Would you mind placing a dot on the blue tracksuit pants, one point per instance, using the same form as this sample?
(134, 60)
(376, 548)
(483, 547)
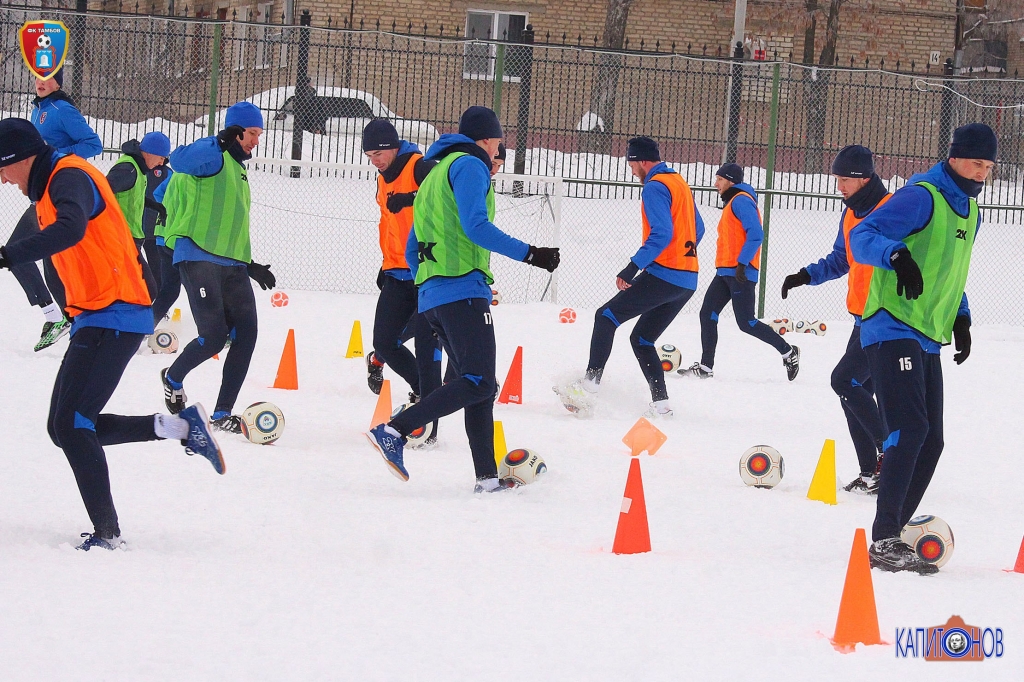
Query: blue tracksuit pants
(465, 330)
(908, 384)
(720, 292)
(851, 380)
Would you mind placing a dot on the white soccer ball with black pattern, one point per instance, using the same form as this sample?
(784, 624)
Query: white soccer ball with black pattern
(670, 357)
(420, 435)
(44, 41)
(816, 327)
(262, 423)
(762, 467)
(163, 341)
(931, 538)
(522, 466)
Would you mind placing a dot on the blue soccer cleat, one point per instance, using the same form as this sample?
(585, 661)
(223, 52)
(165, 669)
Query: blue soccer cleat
(200, 441)
(390, 445)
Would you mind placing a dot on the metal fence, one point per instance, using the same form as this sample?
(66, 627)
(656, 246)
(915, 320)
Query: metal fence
(568, 111)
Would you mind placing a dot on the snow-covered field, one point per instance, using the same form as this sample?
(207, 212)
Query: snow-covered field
(309, 561)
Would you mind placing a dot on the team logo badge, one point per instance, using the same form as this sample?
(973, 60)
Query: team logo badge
(44, 45)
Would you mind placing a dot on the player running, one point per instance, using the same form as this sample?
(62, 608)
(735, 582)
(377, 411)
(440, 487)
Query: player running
(62, 126)
(920, 243)
(739, 252)
(862, 192)
(449, 254)
(208, 228)
(667, 267)
(91, 246)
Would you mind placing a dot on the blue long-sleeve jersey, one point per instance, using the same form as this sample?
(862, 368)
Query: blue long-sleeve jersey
(657, 202)
(745, 210)
(202, 158)
(470, 180)
(62, 126)
(882, 233)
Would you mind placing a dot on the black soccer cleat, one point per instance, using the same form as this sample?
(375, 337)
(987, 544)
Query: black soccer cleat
(696, 370)
(174, 398)
(894, 555)
(863, 485)
(792, 363)
(230, 423)
(374, 374)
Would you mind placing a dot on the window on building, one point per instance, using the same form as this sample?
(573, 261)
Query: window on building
(264, 48)
(239, 38)
(486, 25)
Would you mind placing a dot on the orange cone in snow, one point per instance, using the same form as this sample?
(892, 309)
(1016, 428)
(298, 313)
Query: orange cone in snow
(632, 535)
(287, 371)
(858, 619)
(382, 413)
(512, 389)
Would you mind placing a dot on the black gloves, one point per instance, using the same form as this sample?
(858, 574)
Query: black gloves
(3, 258)
(543, 257)
(229, 136)
(396, 202)
(380, 279)
(262, 275)
(628, 272)
(741, 272)
(909, 282)
(962, 338)
(796, 280)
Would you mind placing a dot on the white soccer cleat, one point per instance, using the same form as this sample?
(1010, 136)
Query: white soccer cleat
(576, 399)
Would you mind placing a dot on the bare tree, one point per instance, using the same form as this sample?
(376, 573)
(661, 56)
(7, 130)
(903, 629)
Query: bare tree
(981, 24)
(606, 82)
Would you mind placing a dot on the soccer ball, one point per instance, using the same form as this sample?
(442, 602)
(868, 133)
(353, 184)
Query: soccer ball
(262, 423)
(495, 297)
(781, 325)
(420, 435)
(931, 538)
(567, 316)
(279, 299)
(816, 327)
(522, 466)
(163, 341)
(670, 357)
(762, 467)
(43, 41)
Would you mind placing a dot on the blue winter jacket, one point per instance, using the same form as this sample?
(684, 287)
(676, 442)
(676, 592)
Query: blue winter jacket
(470, 180)
(882, 232)
(745, 210)
(63, 126)
(657, 202)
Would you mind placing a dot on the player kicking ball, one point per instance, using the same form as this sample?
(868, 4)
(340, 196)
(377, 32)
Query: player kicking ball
(85, 233)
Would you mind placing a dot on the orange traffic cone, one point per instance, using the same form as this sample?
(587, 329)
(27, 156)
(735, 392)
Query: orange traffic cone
(632, 535)
(858, 619)
(287, 371)
(644, 436)
(1019, 566)
(382, 413)
(512, 389)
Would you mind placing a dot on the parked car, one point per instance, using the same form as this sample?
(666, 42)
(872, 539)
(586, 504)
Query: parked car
(341, 112)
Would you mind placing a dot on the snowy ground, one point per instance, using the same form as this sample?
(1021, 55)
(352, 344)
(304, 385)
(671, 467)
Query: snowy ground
(309, 561)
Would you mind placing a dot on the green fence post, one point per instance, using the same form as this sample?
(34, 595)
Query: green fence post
(769, 182)
(211, 125)
(499, 77)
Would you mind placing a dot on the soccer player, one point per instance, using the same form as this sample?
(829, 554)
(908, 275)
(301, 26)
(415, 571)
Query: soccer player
(128, 180)
(401, 168)
(208, 228)
(739, 252)
(449, 253)
(655, 285)
(62, 126)
(920, 243)
(862, 192)
(92, 250)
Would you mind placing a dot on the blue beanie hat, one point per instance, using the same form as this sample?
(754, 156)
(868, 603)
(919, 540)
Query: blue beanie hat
(480, 123)
(156, 143)
(642, 149)
(244, 114)
(380, 134)
(853, 161)
(974, 141)
(731, 172)
(19, 140)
